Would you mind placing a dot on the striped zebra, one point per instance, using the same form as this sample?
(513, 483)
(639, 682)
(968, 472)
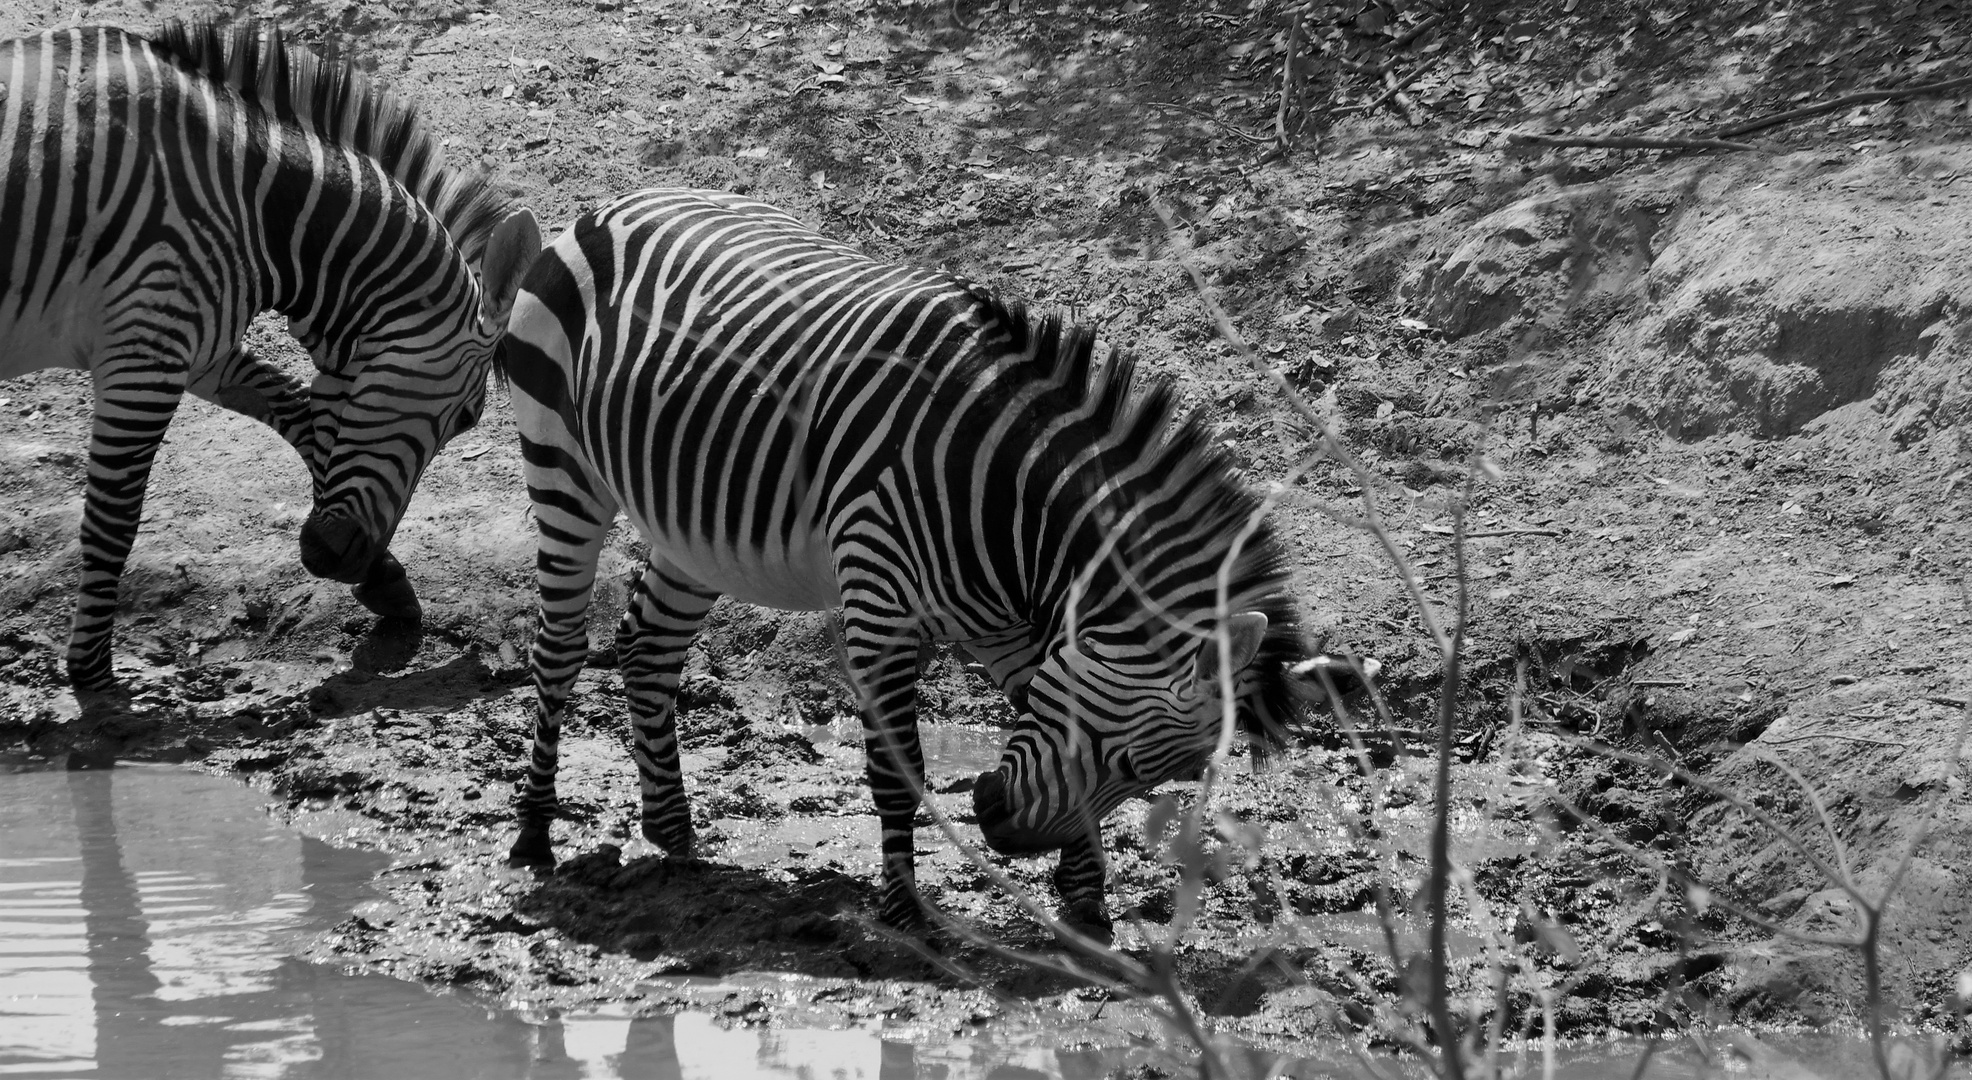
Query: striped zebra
(793, 424)
(161, 190)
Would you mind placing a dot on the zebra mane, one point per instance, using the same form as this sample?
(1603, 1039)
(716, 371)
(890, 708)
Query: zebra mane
(331, 99)
(1177, 447)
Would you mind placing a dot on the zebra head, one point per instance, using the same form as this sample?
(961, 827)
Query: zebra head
(413, 384)
(1109, 715)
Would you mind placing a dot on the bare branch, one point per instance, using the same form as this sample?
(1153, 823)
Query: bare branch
(1627, 142)
(1864, 97)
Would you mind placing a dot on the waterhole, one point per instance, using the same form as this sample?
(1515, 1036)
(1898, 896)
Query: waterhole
(150, 916)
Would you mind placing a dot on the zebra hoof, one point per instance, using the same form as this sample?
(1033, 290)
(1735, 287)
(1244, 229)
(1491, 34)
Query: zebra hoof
(911, 919)
(678, 844)
(387, 591)
(1087, 917)
(91, 675)
(533, 849)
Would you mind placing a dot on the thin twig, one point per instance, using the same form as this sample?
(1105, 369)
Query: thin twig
(1423, 27)
(1863, 97)
(1384, 98)
(1453, 1065)
(1765, 741)
(1231, 127)
(1289, 81)
(1331, 442)
(1446, 530)
(1629, 142)
(1814, 803)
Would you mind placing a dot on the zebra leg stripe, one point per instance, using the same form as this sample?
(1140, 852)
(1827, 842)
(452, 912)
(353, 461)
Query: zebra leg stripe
(573, 519)
(135, 399)
(880, 654)
(257, 388)
(1079, 878)
(663, 616)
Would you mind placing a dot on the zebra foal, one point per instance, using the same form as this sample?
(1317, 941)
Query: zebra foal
(158, 191)
(791, 423)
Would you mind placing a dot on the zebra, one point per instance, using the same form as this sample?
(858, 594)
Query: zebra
(163, 189)
(791, 423)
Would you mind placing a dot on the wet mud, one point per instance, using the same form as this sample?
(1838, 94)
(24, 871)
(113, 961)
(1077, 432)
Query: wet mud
(1715, 557)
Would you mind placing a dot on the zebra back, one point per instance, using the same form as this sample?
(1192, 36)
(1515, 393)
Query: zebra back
(333, 100)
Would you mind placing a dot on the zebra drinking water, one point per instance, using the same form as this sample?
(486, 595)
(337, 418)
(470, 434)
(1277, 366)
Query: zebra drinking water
(159, 192)
(791, 423)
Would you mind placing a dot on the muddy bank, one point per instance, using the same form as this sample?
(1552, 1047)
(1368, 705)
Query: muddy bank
(1730, 528)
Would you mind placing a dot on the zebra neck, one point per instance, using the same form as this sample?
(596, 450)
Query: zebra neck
(348, 254)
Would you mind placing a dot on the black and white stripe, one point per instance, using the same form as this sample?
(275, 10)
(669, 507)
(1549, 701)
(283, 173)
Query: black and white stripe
(158, 192)
(791, 423)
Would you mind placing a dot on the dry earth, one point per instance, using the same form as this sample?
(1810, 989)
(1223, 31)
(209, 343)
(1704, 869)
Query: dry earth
(1728, 398)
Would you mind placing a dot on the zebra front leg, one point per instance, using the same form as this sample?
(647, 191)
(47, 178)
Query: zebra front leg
(663, 616)
(255, 387)
(135, 399)
(1079, 878)
(879, 654)
(572, 515)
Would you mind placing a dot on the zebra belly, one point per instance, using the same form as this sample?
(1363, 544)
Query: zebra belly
(799, 577)
(62, 334)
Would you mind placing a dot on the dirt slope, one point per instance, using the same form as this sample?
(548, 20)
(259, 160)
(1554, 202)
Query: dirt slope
(1726, 395)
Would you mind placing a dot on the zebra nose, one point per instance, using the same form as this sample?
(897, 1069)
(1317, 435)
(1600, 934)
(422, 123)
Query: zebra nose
(989, 799)
(335, 547)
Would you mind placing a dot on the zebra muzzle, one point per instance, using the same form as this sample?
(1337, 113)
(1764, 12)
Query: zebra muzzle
(336, 548)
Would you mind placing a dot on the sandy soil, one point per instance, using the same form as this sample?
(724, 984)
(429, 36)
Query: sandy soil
(1726, 396)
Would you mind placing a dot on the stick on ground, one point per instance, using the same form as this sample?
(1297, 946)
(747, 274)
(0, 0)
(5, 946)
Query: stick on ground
(1630, 142)
(1863, 97)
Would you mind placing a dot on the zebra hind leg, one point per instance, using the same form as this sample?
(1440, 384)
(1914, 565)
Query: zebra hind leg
(663, 616)
(1079, 878)
(572, 526)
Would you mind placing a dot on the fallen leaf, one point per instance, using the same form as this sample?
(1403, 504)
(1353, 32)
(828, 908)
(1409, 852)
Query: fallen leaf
(476, 451)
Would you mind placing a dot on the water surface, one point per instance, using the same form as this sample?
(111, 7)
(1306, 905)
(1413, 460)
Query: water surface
(149, 919)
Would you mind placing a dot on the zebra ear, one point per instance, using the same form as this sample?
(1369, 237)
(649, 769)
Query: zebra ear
(509, 252)
(1246, 630)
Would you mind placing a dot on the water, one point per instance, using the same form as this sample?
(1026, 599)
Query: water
(149, 918)
(148, 921)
